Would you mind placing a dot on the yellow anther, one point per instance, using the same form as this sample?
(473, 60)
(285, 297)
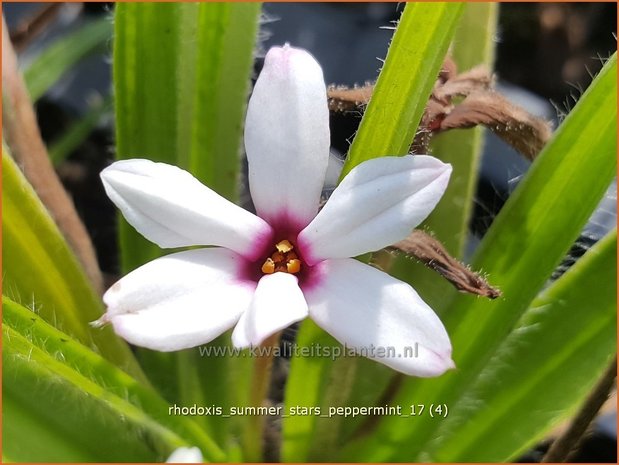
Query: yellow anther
(293, 266)
(284, 246)
(268, 267)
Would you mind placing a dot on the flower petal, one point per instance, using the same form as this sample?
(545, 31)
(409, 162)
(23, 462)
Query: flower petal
(376, 205)
(277, 303)
(186, 455)
(171, 208)
(287, 137)
(181, 300)
(380, 317)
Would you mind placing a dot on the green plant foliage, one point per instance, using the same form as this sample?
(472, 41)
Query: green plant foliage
(531, 235)
(39, 270)
(387, 128)
(64, 402)
(545, 367)
(181, 80)
(473, 45)
(57, 59)
(182, 71)
(405, 82)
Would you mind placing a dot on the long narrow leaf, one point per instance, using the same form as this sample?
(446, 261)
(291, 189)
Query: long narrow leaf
(387, 128)
(415, 56)
(40, 270)
(106, 414)
(57, 59)
(181, 76)
(544, 369)
(527, 240)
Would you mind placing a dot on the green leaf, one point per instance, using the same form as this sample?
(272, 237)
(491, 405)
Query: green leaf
(387, 128)
(405, 82)
(181, 79)
(527, 240)
(330, 380)
(544, 369)
(78, 132)
(53, 62)
(305, 387)
(39, 270)
(473, 45)
(63, 402)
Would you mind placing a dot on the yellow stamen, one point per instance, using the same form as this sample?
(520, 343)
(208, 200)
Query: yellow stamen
(284, 246)
(293, 266)
(269, 266)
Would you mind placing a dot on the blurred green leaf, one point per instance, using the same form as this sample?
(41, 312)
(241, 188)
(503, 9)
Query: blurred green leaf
(405, 82)
(39, 270)
(529, 237)
(544, 369)
(59, 57)
(78, 132)
(63, 402)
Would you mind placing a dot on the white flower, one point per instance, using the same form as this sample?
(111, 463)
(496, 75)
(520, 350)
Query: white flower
(186, 455)
(290, 261)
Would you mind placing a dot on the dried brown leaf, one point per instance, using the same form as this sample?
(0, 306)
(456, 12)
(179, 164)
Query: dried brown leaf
(526, 133)
(481, 106)
(429, 251)
(342, 98)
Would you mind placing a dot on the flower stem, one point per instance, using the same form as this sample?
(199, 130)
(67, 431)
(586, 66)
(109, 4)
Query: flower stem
(253, 435)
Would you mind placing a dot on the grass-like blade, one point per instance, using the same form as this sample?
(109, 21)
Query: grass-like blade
(473, 45)
(181, 78)
(387, 128)
(106, 414)
(544, 369)
(413, 61)
(59, 57)
(40, 270)
(527, 240)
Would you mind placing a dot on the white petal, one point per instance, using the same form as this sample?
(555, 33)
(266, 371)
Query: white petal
(377, 204)
(186, 455)
(380, 317)
(171, 208)
(277, 303)
(181, 300)
(287, 137)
